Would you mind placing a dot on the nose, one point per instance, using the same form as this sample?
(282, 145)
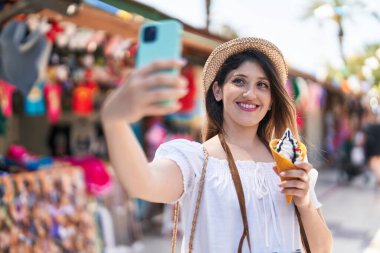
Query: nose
(250, 92)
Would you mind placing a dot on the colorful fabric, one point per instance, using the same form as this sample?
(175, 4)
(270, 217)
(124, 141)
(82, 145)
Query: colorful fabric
(35, 102)
(83, 99)
(53, 94)
(6, 92)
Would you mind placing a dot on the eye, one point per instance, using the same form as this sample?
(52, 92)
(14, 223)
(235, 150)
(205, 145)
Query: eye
(263, 85)
(238, 81)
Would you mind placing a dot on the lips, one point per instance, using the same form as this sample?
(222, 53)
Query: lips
(248, 107)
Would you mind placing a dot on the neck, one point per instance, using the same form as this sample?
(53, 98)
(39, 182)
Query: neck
(244, 137)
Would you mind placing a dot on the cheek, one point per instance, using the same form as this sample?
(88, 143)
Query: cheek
(266, 99)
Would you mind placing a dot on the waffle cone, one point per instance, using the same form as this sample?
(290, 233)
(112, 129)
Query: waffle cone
(283, 163)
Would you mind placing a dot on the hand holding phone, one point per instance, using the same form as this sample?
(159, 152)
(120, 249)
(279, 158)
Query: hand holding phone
(160, 41)
(155, 86)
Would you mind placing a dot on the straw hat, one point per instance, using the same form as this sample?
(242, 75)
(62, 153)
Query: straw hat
(227, 49)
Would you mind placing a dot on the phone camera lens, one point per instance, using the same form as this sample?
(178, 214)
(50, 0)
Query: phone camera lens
(150, 33)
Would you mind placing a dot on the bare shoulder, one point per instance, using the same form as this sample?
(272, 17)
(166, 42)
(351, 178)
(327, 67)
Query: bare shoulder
(214, 148)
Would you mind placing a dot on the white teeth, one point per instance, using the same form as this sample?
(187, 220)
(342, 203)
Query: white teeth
(248, 106)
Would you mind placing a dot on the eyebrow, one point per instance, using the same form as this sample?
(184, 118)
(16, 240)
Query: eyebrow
(242, 75)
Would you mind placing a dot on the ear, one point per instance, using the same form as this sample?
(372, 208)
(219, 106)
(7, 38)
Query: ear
(218, 92)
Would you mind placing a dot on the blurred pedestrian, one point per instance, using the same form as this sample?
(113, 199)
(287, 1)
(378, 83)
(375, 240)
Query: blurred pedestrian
(242, 208)
(372, 148)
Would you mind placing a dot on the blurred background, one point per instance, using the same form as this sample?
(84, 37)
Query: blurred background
(60, 58)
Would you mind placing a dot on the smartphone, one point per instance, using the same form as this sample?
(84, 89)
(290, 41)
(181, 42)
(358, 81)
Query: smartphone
(160, 41)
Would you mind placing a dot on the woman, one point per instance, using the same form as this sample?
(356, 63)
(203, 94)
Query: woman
(246, 106)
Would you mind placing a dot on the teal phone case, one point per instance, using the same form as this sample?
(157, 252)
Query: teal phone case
(166, 45)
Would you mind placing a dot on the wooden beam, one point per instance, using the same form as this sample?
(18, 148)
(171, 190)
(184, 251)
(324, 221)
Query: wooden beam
(99, 20)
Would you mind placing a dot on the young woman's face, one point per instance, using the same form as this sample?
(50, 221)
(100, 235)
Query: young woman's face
(246, 95)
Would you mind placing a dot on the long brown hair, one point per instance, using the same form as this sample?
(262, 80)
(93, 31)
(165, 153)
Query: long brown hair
(281, 116)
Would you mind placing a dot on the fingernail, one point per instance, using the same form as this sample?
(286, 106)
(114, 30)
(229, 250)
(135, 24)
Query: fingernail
(282, 174)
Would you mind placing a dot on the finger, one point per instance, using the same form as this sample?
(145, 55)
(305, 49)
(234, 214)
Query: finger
(160, 65)
(304, 166)
(165, 94)
(298, 174)
(158, 110)
(164, 79)
(294, 184)
(294, 192)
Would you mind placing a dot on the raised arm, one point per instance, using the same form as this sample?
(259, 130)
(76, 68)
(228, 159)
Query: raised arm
(160, 181)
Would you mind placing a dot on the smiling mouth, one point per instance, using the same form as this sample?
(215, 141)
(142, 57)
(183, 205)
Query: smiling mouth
(247, 107)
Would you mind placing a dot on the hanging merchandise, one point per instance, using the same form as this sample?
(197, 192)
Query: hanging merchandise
(314, 97)
(6, 92)
(296, 90)
(82, 137)
(188, 101)
(290, 88)
(100, 144)
(54, 30)
(84, 94)
(299, 119)
(80, 39)
(83, 97)
(53, 93)
(24, 55)
(59, 139)
(35, 102)
(301, 92)
(3, 123)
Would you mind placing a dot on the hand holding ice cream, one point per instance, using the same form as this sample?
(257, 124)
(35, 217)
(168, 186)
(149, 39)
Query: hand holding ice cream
(287, 151)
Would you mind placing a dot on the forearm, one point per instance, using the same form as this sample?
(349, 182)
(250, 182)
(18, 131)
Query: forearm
(127, 157)
(317, 232)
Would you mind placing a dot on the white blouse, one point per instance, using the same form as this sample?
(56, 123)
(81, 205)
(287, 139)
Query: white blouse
(273, 225)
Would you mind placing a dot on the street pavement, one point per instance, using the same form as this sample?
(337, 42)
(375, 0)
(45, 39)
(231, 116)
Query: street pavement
(352, 212)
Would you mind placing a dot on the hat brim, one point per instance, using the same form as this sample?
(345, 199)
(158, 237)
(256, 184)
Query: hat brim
(232, 47)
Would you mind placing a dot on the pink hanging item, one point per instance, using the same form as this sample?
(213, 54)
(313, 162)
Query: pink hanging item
(6, 92)
(53, 101)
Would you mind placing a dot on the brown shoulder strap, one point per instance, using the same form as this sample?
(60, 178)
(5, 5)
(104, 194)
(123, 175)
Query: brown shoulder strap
(239, 191)
(305, 242)
(176, 208)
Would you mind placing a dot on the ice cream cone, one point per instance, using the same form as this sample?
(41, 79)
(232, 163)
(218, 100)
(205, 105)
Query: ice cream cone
(283, 163)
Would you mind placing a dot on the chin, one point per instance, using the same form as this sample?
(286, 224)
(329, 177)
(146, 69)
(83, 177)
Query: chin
(248, 123)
